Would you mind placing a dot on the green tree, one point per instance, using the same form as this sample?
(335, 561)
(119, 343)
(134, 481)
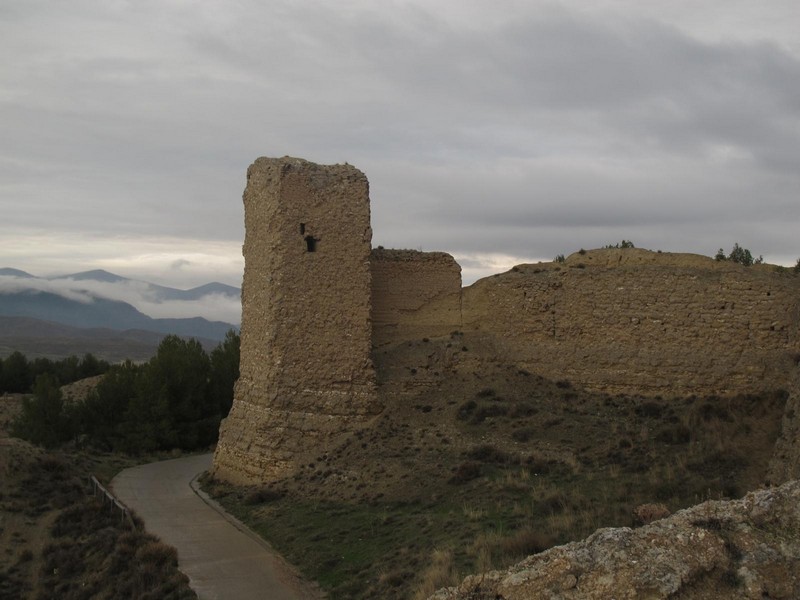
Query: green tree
(172, 408)
(101, 416)
(741, 255)
(16, 374)
(91, 366)
(44, 419)
(224, 372)
(622, 244)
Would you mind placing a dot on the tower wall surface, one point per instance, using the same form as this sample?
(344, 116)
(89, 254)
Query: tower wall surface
(306, 372)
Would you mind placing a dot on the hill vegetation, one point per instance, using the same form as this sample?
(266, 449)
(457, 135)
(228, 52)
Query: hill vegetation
(474, 470)
(175, 400)
(18, 374)
(60, 541)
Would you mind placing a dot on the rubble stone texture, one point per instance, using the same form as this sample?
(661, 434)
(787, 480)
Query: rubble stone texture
(306, 372)
(748, 548)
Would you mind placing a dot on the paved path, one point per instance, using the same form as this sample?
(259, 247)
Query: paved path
(221, 557)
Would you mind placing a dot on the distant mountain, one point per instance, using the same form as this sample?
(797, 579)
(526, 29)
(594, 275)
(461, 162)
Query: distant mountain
(36, 338)
(15, 273)
(84, 300)
(95, 275)
(100, 312)
(159, 292)
(211, 288)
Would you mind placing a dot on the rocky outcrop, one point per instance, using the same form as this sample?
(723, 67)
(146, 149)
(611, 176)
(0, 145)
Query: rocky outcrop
(748, 548)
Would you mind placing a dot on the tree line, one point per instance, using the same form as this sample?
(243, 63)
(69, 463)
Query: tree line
(175, 400)
(18, 374)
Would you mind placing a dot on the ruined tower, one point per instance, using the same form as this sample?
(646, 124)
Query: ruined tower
(306, 372)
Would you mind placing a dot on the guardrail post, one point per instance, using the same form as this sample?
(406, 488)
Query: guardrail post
(113, 503)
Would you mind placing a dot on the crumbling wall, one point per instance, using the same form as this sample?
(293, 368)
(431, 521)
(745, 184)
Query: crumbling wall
(306, 372)
(643, 322)
(414, 295)
(315, 299)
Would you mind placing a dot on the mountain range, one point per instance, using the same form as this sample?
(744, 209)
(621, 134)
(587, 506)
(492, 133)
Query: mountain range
(94, 305)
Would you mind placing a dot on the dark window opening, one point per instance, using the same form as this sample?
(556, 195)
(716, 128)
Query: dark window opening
(311, 244)
(302, 228)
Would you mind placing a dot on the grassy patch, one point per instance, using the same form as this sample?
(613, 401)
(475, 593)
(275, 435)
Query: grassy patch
(501, 463)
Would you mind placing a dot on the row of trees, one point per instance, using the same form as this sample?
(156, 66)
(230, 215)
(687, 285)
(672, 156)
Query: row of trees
(175, 400)
(739, 255)
(18, 374)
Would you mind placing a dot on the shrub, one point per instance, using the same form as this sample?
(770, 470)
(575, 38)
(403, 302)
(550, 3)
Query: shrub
(489, 454)
(492, 410)
(522, 435)
(262, 496)
(739, 255)
(466, 471)
(44, 419)
(622, 244)
(157, 554)
(465, 410)
(649, 409)
(647, 513)
(440, 572)
(524, 543)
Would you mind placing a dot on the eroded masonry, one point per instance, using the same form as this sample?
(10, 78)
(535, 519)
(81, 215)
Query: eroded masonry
(317, 300)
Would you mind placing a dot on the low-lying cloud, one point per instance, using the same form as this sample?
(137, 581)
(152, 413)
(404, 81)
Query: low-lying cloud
(145, 297)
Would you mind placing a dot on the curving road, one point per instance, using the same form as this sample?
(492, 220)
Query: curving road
(221, 557)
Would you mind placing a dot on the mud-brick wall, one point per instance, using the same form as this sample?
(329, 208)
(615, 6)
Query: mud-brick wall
(638, 321)
(414, 295)
(306, 372)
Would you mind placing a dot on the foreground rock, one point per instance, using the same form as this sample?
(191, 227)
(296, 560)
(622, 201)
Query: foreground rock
(748, 548)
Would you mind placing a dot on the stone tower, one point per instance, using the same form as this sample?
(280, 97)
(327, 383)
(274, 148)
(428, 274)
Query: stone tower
(306, 371)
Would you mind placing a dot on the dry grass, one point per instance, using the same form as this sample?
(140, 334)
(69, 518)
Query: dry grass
(440, 573)
(488, 463)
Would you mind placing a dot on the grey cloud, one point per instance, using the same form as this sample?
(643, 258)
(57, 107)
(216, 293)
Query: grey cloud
(509, 134)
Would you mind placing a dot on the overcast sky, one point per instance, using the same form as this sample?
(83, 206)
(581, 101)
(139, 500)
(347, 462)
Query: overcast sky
(501, 132)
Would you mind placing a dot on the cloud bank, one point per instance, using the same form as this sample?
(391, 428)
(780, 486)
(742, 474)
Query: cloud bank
(143, 296)
(517, 129)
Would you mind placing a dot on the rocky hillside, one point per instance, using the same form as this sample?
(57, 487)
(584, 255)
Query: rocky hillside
(747, 548)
